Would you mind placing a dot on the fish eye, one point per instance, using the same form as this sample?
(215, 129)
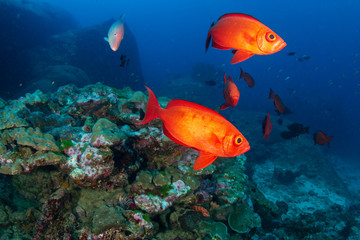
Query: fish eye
(238, 140)
(270, 36)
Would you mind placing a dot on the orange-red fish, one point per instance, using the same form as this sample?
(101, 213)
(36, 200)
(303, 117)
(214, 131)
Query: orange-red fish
(203, 210)
(197, 127)
(278, 103)
(231, 93)
(245, 34)
(321, 139)
(267, 126)
(248, 79)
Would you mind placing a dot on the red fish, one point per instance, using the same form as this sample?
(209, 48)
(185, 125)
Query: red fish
(248, 79)
(203, 210)
(272, 94)
(278, 103)
(245, 34)
(321, 139)
(267, 126)
(197, 127)
(280, 107)
(231, 93)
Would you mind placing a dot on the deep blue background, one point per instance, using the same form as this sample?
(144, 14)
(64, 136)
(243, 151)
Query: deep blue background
(323, 92)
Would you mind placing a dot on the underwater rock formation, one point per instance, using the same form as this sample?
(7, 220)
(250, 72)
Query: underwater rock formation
(37, 55)
(25, 25)
(77, 167)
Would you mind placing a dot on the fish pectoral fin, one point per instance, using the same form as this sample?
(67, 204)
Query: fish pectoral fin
(224, 106)
(171, 137)
(106, 39)
(218, 46)
(203, 160)
(240, 55)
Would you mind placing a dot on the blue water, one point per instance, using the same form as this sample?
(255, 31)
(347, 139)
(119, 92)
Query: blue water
(323, 92)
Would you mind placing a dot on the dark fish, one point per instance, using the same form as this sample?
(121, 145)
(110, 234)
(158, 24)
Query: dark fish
(210, 83)
(321, 139)
(124, 60)
(307, 58)
(288, 135)
(298, 128)
(300, 59)
(291, 53)
(248, 79)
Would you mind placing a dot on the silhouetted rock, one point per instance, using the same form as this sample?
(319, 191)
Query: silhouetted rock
(25, 24)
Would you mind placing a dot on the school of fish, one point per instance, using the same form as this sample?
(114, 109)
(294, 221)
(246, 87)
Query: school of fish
(201, 128)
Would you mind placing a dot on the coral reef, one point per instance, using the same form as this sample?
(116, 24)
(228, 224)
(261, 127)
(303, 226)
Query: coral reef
(75, 166)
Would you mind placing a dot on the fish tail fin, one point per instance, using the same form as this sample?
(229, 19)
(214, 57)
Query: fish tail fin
(241, 73)
(122, 16)
(152, 108)
(328, 140)
(208, 39)
(106, 39)
(267, 136)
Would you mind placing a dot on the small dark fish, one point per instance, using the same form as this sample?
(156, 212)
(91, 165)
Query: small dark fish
(300, 59)
(291, 53)
(280, 121)
(210, 83)
(248, 79)
(288, 135)
(124, 60)
(298, 128)
(307, 58)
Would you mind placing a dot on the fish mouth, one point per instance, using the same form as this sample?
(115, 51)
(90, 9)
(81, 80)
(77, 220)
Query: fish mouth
(281, 45)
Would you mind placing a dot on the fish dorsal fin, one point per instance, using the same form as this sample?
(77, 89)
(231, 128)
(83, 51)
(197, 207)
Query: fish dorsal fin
(225, 80)
(178, 102)
(203, 160)
(106, 39)
(240, 55)
(240, 15)
(121, 18)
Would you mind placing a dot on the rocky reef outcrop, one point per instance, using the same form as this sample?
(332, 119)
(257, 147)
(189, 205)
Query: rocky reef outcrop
(74, 165)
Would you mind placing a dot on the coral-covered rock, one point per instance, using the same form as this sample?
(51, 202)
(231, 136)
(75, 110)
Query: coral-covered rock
(157, 204)
(230, 185)
(106, 134)
(107, 217)
(243, 219)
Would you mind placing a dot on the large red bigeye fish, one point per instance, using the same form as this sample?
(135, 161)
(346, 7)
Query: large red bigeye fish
(247, 35)
(231, 93)
(197, 127)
